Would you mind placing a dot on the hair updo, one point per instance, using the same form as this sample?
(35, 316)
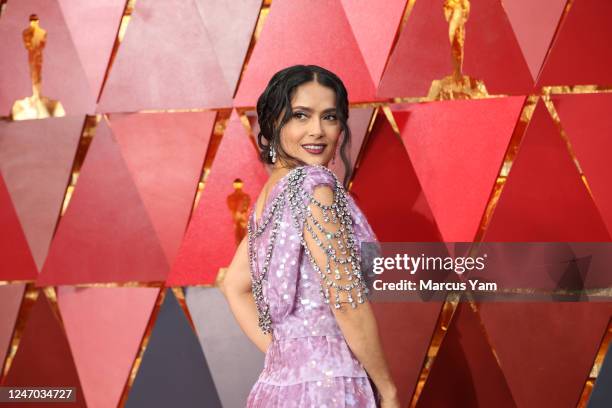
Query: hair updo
(276, 100)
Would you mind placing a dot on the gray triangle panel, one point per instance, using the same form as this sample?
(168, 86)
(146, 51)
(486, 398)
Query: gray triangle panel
(234, 361)
(173, 372)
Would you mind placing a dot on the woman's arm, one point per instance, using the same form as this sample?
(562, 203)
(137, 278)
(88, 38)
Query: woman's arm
(236, 286)
(358, 325)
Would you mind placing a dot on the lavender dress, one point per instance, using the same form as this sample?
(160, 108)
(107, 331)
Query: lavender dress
(308, 363)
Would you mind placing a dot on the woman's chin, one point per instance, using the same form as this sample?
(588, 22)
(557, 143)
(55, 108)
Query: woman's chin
(316, 161)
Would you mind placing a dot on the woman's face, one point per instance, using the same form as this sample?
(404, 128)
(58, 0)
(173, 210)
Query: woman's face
(313, 131)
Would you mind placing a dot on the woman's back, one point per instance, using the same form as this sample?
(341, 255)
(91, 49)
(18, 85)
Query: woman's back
(308, 362)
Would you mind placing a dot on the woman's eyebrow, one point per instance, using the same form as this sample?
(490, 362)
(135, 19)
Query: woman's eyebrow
(306, 108)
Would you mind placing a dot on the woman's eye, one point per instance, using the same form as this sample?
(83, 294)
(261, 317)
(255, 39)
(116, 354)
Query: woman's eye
(331, 117)
(299, 115)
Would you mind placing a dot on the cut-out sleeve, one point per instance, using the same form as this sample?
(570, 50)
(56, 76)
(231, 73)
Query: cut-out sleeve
(324, 217)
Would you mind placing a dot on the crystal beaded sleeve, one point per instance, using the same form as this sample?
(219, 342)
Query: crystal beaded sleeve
(337, 262)
(257, 282)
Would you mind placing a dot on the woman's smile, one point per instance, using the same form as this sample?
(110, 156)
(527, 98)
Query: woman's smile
(314, 148)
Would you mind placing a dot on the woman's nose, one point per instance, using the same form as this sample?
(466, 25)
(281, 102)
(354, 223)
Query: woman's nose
(315, 127)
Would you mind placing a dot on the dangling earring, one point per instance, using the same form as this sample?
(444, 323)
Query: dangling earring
(272, 153)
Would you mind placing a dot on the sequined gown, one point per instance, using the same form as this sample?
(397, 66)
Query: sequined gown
(308, 363)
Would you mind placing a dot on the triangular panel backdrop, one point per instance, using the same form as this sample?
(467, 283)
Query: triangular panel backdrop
(129, 156)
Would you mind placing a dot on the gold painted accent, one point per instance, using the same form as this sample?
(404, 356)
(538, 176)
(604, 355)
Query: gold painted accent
(490, 207)
(221, 125)
(575, 89)
(30, 296)
(367, 104)
(213, 145)
(555, 116)
(474, 252)
(200, 189)
(375, 112)
(246, 124)
(125, 21)
(179, 294)
(13, 282)
(601, 352)
(508, 160)
(560, 22)
(364, 143)
(596, 368)
(488, 339)
(35, 38)
(528, 109)
(51, 295)
(447, 311)
(586, 184)
(238, 203)
(36, 106)
(261, 19)
(410, 99)
(406, 14)
(389, 115)
(87, 134)
(519, 130)
(456, 13)
(457, 85)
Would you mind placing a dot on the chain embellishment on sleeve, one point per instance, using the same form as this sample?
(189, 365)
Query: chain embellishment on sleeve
(261, 303)
(337, 213)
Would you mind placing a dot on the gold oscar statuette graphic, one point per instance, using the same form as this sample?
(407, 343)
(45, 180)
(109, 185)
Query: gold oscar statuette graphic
(456, 85)
(36, 106)
(238, 204)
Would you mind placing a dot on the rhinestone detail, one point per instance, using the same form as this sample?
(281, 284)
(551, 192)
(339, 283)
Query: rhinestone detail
(336, 213)
(257, 282)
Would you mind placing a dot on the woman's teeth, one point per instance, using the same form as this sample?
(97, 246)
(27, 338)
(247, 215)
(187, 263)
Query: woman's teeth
(314, 149)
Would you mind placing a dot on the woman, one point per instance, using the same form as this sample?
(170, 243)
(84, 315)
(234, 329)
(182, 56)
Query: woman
(295, 284)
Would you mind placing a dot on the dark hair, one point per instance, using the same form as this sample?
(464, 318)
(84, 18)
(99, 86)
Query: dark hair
(277, 96)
